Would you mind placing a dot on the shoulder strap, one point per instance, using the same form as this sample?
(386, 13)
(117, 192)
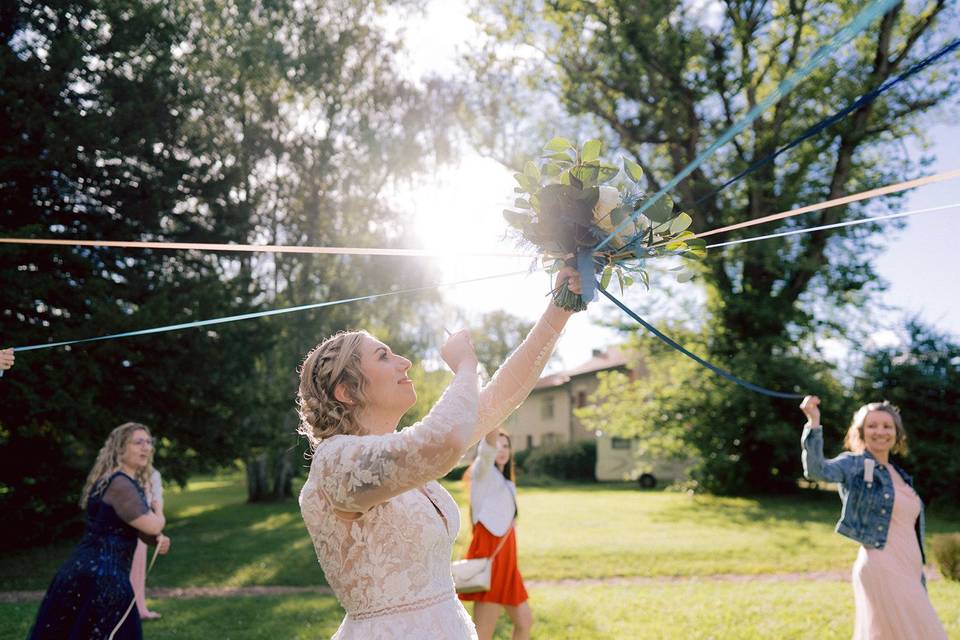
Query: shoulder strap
(503, 540)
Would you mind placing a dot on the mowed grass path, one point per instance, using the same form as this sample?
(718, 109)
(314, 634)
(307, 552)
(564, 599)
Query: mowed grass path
(685, 611)
(572, 531)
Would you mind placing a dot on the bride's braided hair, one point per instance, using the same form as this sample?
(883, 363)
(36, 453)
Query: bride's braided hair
(334, 361)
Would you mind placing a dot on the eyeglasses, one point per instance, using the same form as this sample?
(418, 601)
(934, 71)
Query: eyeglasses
(139, 442)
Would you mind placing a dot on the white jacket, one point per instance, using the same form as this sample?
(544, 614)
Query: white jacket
(493, 498)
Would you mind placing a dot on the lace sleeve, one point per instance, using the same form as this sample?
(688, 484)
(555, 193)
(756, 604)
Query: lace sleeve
(515, 378)
(356, 473)
(122, 495)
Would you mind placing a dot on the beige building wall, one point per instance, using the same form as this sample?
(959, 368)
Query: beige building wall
(544, 417)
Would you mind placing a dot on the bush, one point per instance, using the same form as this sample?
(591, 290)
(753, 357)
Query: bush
(946, 548)
(457, 472)
(568, 461)
(520, 460)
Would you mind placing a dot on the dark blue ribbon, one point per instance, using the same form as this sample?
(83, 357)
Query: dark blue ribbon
(865, 99)
(669, 341)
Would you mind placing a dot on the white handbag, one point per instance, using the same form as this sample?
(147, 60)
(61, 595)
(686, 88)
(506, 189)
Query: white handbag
(473, 575)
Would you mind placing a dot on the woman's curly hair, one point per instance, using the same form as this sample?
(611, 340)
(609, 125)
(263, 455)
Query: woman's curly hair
(108, 461)
(333, 362)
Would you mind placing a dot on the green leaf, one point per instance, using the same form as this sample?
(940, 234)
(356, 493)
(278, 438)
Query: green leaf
(680, 223)
(661, 210)
(531, 170)
(607, 173)
(559, 144)
(560, 158)
(634, 170)
(605, 278)
(686, 276)
(591, 150)
(515, 218)
(697, 247)
(645, 279)
(535, 203)
(521, 203)
(620, 280)
(575, 181)
(586, 173)
(552, 169)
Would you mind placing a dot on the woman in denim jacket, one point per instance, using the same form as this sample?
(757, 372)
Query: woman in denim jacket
(884, 514)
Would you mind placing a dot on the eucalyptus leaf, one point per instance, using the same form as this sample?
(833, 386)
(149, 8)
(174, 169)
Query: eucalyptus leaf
(588, 174)
(607, 173)
(516, 218)
(531, 170)
(661, 210)
(552, 169)
(680, 223)
(633, 169)
(605, 278)
(559, 144)
(591, 150)
(521, 203)
(562, 158)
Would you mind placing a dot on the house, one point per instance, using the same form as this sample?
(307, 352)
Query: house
(546, 416)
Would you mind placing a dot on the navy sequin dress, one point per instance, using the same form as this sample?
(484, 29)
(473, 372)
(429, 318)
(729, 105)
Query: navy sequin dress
(91, 592)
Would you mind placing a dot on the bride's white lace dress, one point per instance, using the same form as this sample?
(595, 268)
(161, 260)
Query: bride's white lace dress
(390, 566)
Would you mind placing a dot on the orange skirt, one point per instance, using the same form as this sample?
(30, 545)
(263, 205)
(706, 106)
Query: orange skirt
(506, 585)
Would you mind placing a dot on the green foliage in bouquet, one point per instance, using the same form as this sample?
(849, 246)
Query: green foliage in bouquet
(571, 200)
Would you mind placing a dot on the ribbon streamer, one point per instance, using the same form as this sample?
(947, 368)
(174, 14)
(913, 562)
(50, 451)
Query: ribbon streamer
(257, 314)
(672, 343)
(266, 248)
(836, 202)
(829, 121)
(841, 37)
(848, 223)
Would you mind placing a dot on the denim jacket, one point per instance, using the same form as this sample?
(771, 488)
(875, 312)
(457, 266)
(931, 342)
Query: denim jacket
(867, 501)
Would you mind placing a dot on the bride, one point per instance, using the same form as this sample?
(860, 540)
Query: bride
(382, 527)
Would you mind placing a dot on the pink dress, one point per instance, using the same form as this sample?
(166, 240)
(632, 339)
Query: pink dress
(890, 599)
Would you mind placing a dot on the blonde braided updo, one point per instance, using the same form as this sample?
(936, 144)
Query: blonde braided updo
(334, 361)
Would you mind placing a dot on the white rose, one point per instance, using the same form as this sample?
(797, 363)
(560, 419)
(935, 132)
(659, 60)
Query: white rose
(608, 201)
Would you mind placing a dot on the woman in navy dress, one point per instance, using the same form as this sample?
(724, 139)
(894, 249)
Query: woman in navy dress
(90, 597)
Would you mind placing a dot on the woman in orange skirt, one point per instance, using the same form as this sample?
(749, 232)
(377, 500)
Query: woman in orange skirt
(493, 510)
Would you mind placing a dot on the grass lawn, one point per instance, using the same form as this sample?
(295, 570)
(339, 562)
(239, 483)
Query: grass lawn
(568, 531)
(718, 611)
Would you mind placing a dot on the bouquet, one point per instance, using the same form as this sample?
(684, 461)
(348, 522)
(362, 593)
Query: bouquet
(570, 201)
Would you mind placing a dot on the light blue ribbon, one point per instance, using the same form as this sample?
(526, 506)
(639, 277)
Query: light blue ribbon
(838, 39)
(257, 314)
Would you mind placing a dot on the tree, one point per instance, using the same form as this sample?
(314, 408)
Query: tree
(497, 335)
(313, 118)
(205, 122)
(663, 79)
(93, 145)
(923, 379)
